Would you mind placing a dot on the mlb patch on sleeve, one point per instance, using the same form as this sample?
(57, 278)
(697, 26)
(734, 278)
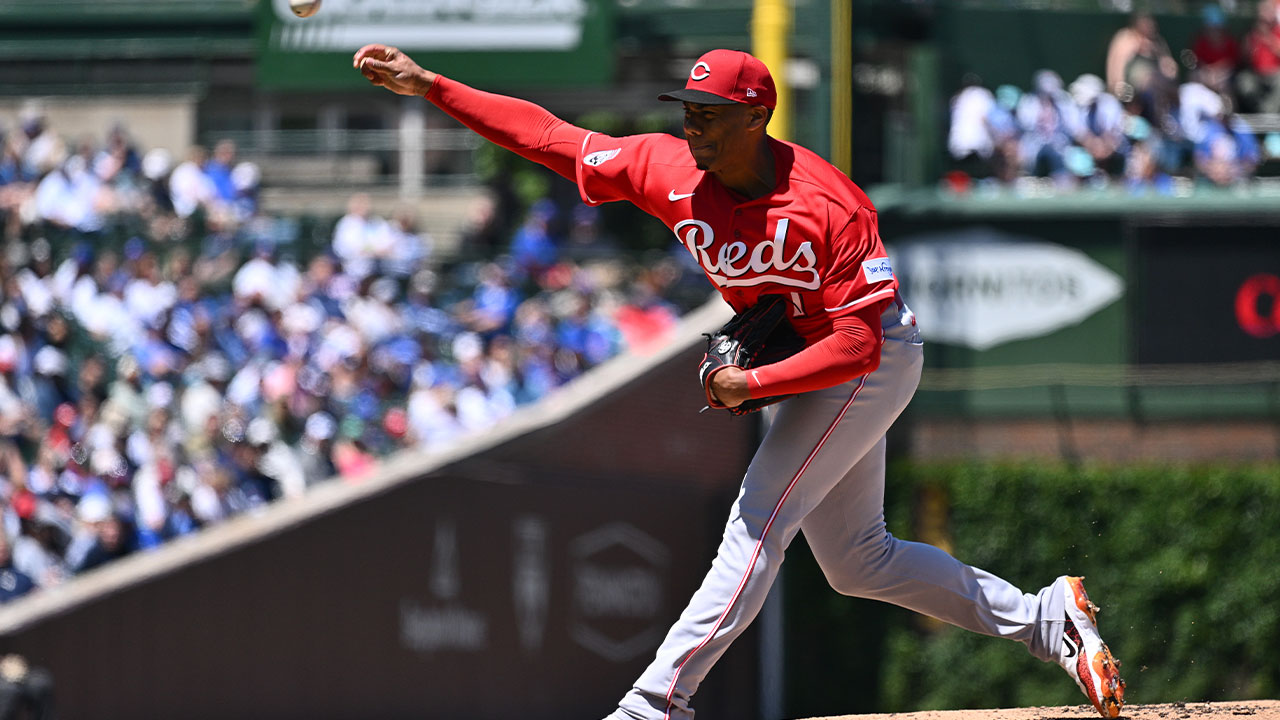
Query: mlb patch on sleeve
(596, 159)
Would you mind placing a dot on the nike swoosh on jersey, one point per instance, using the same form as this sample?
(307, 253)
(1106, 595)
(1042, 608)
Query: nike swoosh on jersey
(674, 196)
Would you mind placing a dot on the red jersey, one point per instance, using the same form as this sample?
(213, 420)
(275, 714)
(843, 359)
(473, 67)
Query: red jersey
(813, 238)
(1262, 57)
(1209, 51)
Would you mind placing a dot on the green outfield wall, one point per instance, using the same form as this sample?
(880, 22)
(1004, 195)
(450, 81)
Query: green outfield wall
(1092, 304)
(1181, 559)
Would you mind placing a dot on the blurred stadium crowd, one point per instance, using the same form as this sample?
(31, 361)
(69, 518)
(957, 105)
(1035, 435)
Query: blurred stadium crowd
(199, 368)
(1143, 127)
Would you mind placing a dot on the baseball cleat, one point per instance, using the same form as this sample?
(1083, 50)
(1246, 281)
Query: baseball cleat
(1085, 657)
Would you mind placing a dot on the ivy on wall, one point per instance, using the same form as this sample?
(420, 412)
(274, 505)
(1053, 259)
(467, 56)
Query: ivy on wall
(1185, 562)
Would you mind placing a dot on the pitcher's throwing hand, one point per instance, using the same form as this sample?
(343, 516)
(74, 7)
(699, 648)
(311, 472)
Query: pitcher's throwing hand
(390, 68)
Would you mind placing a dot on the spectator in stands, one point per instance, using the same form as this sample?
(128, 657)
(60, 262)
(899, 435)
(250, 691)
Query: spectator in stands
(13, 582)
(1197, 104)
(1101, 127)
(494, 301)
(970, 140)
(246, 178)
(314, 449)
(148, 295)
(1227, 153)
(157, 165)
(262, 281)
(361, 239)
(42, 148)
(1049, 121)
(1005, 133)
(12, 168)
(584, 332)
(1216, 52)
(1140, 65)
(432, 418)
(533, 248)
(218, 169)
(422, 310)
(159, 517)
(408, 247)
(1259, 84)
(72, 197)
(350, 456)
(371, 311)
(1142, 172)
(118, 160)
(102, 537)
(190, 189)
(214, 494)
(42, 538)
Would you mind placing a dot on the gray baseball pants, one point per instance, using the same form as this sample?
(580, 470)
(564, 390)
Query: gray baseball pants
(821, 469)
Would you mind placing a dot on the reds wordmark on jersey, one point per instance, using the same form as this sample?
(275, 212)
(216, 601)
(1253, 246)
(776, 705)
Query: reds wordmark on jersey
(813, 239)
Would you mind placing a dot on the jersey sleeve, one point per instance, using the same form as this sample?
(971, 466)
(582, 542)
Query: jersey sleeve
(517, 125)
(853, 349)
(858, 270)
(613, 168)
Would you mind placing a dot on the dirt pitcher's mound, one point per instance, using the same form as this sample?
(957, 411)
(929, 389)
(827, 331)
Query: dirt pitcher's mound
(1244, 710)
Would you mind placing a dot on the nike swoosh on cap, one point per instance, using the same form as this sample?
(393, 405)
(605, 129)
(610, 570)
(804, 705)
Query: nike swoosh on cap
(674, 196)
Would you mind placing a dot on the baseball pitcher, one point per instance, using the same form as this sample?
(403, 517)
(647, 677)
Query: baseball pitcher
(771, 222)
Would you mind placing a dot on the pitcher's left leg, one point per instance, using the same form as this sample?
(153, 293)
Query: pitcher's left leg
(861, 558)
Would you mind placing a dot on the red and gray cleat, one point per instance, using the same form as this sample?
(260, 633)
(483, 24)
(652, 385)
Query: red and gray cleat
(1085, 657)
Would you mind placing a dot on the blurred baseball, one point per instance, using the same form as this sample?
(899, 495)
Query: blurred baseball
(304, 8)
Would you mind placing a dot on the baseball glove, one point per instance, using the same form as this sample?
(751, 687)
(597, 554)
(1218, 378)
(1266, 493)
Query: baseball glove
(757, 336)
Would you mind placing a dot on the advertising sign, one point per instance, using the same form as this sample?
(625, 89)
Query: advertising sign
(981, 287)
(499, 43)
(1209, 301)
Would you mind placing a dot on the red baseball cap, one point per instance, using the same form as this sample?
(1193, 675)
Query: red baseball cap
(721, 77)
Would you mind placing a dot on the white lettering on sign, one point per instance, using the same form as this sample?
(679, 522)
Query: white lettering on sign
(734, 264)
(626, 592)
(426, 630)
(980, 288)
(618, 591)
(531, 584)
(466, 25)
(444, 625)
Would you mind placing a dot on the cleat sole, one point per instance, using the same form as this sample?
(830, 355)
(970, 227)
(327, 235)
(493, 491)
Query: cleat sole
(1107, 670)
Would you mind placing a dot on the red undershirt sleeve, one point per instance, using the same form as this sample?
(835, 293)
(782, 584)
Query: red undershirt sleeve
(517, 125)
(851, 350)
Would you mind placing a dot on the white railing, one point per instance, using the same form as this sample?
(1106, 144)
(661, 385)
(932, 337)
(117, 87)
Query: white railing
(321, 142)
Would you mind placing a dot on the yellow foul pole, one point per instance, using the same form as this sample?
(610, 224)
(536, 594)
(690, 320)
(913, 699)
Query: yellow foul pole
(842, 85)
(770, 32)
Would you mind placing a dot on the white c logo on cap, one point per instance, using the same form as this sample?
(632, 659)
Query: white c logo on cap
(706, 71)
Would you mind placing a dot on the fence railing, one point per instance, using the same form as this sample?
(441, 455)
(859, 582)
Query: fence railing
(410, 158)
(1194, 391)
(323, 141)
